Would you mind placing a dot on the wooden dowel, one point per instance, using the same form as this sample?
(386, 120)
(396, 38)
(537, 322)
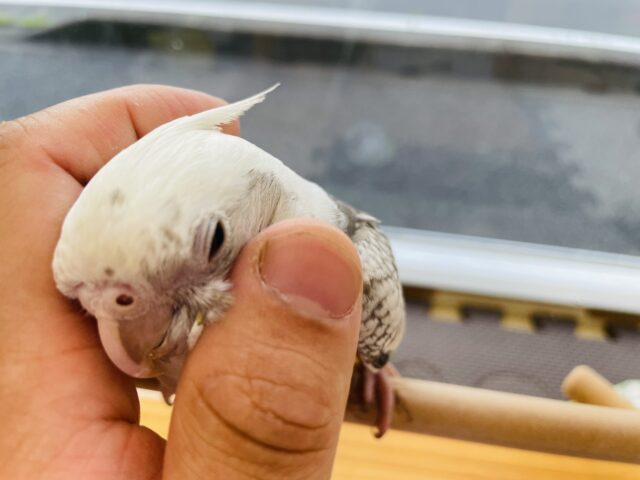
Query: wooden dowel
(585, 385)
(512, 420)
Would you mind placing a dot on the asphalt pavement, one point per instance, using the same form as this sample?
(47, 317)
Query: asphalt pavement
(522, 149)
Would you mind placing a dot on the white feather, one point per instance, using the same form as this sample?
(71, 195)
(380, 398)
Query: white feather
(212, 119)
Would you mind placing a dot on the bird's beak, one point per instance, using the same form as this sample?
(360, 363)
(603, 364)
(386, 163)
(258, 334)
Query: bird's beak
(130, 343)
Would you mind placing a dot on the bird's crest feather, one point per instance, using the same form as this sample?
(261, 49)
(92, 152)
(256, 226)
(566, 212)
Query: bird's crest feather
(212, 119)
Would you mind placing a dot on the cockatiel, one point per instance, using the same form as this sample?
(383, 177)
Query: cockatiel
(148, 246)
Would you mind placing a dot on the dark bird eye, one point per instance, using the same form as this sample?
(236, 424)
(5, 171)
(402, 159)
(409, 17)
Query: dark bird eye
(216, 241)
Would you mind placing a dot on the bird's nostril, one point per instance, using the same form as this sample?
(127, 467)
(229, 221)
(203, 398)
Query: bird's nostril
(124, 300)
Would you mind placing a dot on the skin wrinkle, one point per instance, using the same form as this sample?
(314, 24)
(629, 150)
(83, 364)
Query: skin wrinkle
(158, 99)
(283, 429)
(63, 163)
(194, 444)
(6, 164)
(311, 376)
(33, 119)
(22, 443)
(274, 414)
(35, 355)
(30, 452)
(286, 346)
(23, 126)
(70, 443)
(252, 360)
(67, 402)
(238, 463)
(131, 114)
(251, 439)
(98, 158)
(235, 466)
(130, 437)
(8, 144)
(5, 134)
(140, 438)
(264, 457)
(103, 430)
(11, 146)
(152, 440)
(281, 462)
(48, 155)
(18, 354)
(194, 471)
(59, 403)
(122, 471)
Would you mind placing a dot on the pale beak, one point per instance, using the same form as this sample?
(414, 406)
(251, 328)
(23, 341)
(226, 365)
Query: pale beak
(130, 325)
(113, 344)
(130, 343)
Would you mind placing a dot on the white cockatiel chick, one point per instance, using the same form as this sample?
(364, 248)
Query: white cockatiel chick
(148, 246)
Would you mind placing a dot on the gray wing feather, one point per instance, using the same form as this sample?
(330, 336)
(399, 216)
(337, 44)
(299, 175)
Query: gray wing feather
(383, 312)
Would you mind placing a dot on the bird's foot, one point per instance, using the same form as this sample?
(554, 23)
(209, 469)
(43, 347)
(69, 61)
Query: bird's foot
(369, 387)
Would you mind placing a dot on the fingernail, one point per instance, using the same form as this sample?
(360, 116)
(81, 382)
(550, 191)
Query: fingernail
(313, 275)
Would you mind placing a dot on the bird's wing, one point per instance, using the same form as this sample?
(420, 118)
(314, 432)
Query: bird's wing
(383, 312)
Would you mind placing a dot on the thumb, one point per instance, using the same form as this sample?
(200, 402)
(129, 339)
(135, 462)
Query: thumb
(263, 394)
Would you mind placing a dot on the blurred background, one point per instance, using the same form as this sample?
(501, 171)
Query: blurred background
(497, 140)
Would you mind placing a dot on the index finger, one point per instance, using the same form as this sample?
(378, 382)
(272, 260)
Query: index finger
(82, 134)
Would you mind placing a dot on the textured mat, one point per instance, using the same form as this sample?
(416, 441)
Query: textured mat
(478, 352)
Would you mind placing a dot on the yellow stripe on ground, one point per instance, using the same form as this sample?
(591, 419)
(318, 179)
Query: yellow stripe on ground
(407, 456)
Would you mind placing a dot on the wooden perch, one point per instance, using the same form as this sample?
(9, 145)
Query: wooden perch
(585, 385)
(512, 420)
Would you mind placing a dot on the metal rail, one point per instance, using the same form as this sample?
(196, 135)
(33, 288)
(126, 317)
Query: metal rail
(368, 26)
(497, 268)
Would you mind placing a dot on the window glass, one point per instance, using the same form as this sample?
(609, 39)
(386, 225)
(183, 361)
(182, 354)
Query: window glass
(433, 135)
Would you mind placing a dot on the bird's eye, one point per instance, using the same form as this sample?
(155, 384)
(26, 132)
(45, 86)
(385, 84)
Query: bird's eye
(216, 241)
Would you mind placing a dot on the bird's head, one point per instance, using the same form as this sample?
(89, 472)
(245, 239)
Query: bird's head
(148, 271)
(148, 245)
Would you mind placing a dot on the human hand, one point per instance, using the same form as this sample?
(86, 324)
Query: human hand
(262, 394)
